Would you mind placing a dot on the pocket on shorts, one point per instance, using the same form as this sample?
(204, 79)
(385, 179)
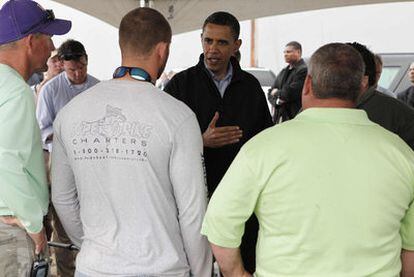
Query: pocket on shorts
(8, 254)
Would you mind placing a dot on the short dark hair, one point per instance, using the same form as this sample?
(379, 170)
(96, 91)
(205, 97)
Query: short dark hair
(369, 60)
(296, 45)
(224, 19)
(336, 70)
(72, 50)
(142, 29)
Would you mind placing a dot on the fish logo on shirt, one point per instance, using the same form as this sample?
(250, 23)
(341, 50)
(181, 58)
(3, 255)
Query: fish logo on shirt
(114, 124)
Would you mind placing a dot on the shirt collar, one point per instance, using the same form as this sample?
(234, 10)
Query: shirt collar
(69, 83)
(12, 70)
(335, 115)
(296, 64)
(228, 76)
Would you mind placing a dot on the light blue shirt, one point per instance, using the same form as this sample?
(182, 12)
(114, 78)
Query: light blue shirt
(223, 83)
(53, 96)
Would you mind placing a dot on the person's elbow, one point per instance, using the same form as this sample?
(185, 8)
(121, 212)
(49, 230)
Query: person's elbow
(407, 260)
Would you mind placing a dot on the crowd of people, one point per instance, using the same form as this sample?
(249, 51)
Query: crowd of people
(150, 182)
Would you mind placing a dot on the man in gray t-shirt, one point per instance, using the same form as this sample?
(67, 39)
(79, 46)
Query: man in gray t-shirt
(127, 170)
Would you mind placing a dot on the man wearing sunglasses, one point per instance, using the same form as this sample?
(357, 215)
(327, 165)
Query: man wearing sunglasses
(25, 45)
(53, 96)
(60, 90)
(127, 167)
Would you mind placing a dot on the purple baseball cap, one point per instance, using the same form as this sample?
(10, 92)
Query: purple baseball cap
(19, 18)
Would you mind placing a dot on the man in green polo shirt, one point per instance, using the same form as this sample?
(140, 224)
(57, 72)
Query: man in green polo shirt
(25, 45)
(334, 195)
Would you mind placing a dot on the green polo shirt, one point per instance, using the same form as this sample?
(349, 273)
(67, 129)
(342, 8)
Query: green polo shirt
(333, 194)
(23, 188)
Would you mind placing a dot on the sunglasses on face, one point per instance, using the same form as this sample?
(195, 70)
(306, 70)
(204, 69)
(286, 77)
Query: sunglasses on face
(71, 56)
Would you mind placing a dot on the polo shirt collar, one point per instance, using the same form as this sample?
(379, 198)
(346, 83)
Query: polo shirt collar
(335, 115)
(11, 70)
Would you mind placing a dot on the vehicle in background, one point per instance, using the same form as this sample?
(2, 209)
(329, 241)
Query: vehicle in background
(394, 71)
(266, 79)
(394, 77)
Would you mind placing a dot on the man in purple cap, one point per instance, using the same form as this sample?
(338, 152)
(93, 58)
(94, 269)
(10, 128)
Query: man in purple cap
(25, 45)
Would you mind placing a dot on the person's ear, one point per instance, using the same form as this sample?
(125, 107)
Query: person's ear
(307, 86)
(307, 93)
(364, 83)
(164, 49)
(237, 43)
(30, 43)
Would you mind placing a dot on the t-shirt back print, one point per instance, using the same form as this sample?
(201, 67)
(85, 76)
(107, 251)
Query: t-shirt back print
(111, 137)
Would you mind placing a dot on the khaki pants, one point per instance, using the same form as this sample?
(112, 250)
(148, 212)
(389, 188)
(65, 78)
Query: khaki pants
(16, 251)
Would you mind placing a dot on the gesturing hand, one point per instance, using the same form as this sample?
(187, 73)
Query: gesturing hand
(215, 137)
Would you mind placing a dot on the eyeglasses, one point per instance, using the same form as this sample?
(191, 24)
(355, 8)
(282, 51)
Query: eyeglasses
(135, 73)
(47, 17)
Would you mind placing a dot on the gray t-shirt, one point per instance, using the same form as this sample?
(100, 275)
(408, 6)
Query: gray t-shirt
(128, 182)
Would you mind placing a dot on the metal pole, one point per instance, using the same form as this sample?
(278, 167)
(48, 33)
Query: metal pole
(253, 57)
(147, 3)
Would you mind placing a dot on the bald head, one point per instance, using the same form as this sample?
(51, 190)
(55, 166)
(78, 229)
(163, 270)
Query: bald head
(141, 30)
